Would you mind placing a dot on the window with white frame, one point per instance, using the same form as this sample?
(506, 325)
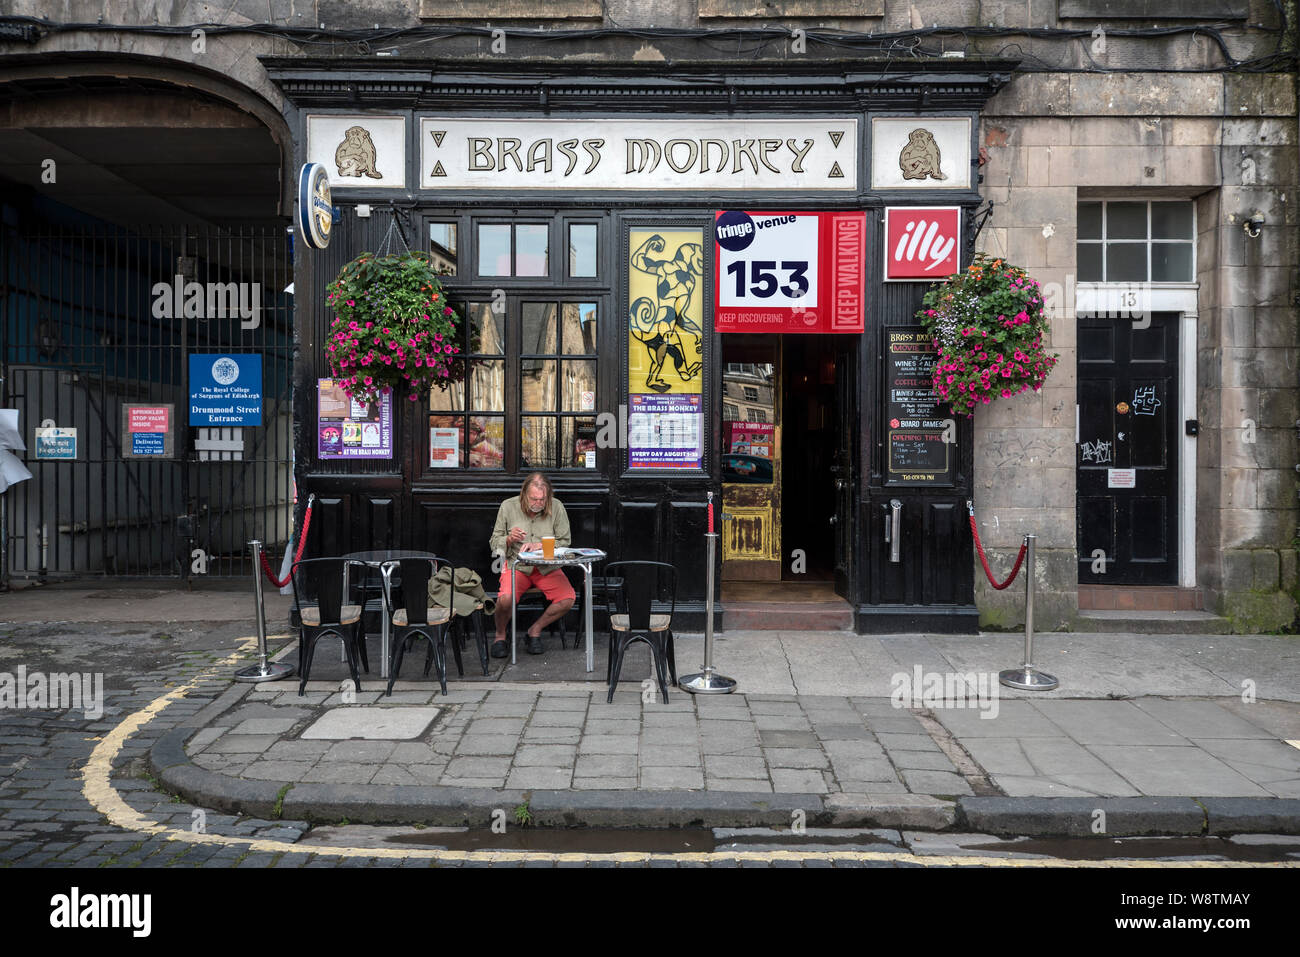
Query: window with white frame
(1136, 241)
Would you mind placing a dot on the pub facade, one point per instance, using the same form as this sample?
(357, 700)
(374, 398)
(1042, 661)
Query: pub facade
(668, 288)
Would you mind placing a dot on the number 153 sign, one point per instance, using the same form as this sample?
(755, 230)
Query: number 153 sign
(789, 272)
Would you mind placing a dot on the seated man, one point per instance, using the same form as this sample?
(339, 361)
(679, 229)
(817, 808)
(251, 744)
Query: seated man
(521, 524)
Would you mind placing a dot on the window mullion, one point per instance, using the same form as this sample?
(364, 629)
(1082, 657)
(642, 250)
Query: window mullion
(514, 381)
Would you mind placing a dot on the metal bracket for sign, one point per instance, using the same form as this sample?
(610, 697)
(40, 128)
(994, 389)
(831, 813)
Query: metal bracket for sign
(976, 223)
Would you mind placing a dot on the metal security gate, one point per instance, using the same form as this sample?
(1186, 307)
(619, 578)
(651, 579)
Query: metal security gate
(96, 319)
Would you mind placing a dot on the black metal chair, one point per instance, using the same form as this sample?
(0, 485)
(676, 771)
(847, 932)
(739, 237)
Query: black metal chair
(635, 619)
(416, 619)
(318, 595)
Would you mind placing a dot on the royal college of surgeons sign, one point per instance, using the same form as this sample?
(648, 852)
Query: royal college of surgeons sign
(682, 153)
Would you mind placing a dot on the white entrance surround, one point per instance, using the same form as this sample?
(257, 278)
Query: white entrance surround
(1100, 298)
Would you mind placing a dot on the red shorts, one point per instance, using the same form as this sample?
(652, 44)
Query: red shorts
(555, 586)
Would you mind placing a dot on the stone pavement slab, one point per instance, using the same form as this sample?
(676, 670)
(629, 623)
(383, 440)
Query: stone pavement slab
(356, 721)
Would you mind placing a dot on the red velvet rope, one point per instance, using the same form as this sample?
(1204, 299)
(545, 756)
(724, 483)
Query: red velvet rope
(302, 543)
(979, 547)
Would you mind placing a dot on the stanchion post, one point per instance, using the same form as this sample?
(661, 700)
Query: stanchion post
(708, 681)
(1027, 677)
(265, 671)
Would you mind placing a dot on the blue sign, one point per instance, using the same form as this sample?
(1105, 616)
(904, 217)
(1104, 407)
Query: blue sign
(225, 390)
(56, 443)
(148, 443)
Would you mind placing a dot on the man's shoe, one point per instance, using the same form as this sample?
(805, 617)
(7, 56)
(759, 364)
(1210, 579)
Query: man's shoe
(535, 646)
(500, 649)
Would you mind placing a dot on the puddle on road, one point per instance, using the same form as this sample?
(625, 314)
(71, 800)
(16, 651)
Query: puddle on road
(1140, 848)
(591, 840)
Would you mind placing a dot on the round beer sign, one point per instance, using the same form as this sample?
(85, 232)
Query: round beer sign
(315, 210)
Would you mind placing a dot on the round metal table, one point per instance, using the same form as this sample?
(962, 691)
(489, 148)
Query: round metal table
(580, 557)
(383, 559)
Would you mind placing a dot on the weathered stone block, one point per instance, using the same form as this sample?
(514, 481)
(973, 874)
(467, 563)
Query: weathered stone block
(1033, 206)
(505, 9)
(1259, 367)
(1258, 131)
(1238, 489)
(1058, 408)
(1236, 405)
(1259, 94)
(1190, 131)
(1038, 164)
(1024, 447)
(1031, 94)
(1257, 528)
(1266, 567)
(1190, 166)
(1287, 569)
(1255, 612)
(1004, 488)
(1238, 570)
(1095, 131)
(1119, 94)
(1276, 325)
(1279, 408)
(1060, 491)
(1275, 488)
(1042, 131)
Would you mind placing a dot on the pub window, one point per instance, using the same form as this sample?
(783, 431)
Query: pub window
(514, 249)
(442, 247)
(523, 389)
(1136, 241)
(582, 250)
(558, 385)
(467, 421)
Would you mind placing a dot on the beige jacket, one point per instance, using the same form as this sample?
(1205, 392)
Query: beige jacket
(512, 513)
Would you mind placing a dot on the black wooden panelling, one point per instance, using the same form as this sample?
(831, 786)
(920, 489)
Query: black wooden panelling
(638, 528)
(378, 523)
(329, 524)
(688, 521)
(462, 541)
(948, 567)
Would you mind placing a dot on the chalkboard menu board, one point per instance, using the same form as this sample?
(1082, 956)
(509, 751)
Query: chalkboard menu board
(921, 433)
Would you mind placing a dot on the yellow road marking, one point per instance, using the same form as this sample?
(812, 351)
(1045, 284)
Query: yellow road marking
(98, 790)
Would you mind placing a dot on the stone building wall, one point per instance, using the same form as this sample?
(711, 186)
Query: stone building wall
(1227, 141)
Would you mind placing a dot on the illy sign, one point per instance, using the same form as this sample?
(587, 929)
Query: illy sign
(921, 242)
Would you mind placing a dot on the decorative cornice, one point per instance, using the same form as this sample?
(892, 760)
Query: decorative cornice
(857, 85)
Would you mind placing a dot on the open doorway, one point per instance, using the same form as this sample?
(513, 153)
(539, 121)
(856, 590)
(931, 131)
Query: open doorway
(808, 448)
(783, 437)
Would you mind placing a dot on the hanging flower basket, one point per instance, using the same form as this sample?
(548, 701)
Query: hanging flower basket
(988, 326)
(394, 328)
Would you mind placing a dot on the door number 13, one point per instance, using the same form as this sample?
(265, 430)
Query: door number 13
(763, 280)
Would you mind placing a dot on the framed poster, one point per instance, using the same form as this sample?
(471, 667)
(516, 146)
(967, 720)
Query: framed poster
(349, 429)
(921, 435)
(665, 355)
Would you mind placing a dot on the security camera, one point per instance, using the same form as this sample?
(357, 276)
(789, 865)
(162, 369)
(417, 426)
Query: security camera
(1253, 224)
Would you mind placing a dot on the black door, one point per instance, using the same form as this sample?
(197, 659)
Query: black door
(1127, 451)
